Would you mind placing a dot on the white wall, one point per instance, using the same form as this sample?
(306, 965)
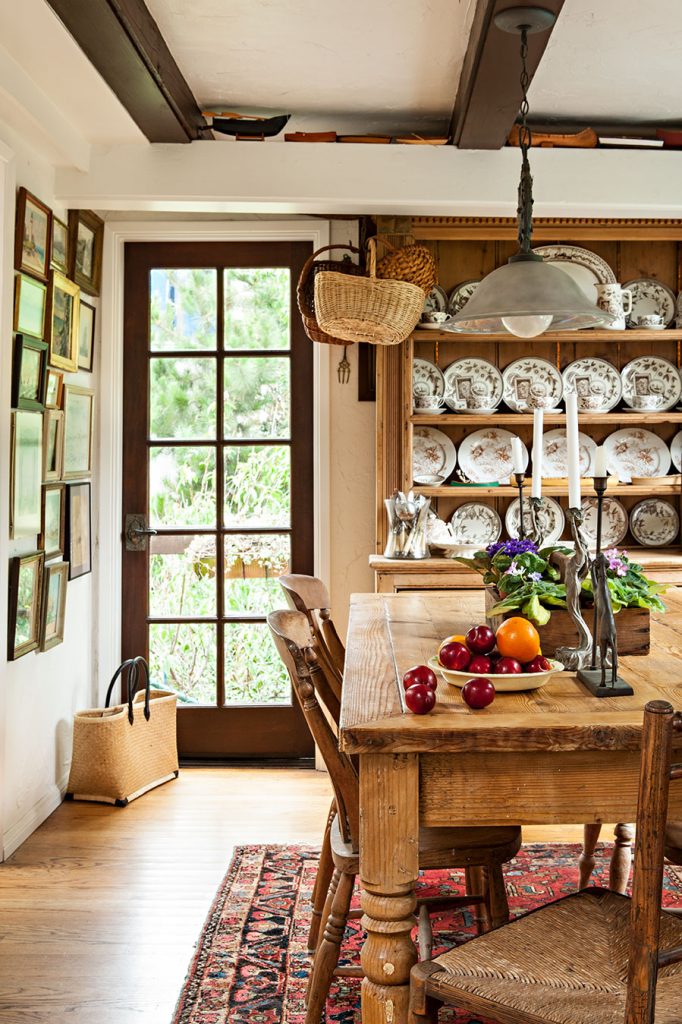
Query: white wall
(40, 692)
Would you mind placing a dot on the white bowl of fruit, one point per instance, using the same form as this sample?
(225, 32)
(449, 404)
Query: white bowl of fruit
(511, 658)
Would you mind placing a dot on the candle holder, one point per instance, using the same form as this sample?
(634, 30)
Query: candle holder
(520, 480)
(576, 570)
(536, 532)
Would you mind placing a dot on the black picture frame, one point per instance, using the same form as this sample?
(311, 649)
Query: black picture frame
(78, 538)
(22, 345)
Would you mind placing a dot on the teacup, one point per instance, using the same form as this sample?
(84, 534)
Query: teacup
(427, 402)
(649, 320)
(646, 403)
(435, 317)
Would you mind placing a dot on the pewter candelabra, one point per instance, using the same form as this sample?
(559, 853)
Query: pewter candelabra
(536, 533)
(576, 569)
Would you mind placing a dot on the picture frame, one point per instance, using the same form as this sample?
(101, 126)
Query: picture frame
(53, 521)
(53, 605)
(33, 236)
(78, 548)
(54, 388)
(26, 470)
(25, 595)
(30, 306)
(79, 407)
(53, 445)
(60, 245)
(62, 322)
(29, 373)
(86, 239)
(86, 336)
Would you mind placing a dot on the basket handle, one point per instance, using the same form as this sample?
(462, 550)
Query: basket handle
(325, 248)
(131, 664)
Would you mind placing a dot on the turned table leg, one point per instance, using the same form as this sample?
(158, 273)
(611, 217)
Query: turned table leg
(621, 858)
(389, 865)
(586, 862)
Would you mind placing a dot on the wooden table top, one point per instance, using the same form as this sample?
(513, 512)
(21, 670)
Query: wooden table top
(388, 633)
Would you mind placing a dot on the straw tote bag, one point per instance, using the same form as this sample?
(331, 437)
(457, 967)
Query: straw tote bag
(119, 753)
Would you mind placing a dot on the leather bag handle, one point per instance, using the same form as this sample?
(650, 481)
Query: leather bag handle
(132, 667)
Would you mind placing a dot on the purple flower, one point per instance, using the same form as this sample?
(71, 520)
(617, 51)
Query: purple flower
(535, 576)
(514, 570)
(618, 561)
(511, 548)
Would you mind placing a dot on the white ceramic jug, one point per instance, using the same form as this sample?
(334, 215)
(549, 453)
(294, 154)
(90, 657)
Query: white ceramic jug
(617, 301)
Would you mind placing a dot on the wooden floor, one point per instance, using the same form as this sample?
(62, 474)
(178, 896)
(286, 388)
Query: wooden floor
(101, 907)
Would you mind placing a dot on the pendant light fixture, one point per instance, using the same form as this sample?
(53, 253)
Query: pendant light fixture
(527, 296)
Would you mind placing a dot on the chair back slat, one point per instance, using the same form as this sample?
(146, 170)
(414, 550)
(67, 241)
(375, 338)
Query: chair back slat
(309, 595)
(296, 646)
(652, 811)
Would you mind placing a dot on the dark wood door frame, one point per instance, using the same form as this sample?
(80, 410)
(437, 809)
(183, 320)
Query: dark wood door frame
(227, 731)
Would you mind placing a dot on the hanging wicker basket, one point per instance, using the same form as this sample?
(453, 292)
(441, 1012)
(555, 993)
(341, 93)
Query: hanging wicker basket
(305, 289)
(369, 309)
(413, 263)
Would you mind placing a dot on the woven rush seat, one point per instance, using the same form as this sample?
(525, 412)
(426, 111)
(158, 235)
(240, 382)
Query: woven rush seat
(565, 963)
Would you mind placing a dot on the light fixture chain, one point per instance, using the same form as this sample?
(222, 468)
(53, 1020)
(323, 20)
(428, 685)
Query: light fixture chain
(525, 198)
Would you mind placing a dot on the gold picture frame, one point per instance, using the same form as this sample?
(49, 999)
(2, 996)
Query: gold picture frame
(53, 604)
(62, 322)
(33, 235)
(52, 538)
(79, 409)
(26, 470)
(54, 388)
(60, 245)
(25, 596)
(53, 445)
(86, 240)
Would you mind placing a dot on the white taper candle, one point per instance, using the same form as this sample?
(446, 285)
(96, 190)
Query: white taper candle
(572, 446)
(600, 462)
(536, 488)
(517, 455)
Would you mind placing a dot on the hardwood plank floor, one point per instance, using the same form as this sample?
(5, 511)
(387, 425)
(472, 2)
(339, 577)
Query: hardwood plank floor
(101, 907)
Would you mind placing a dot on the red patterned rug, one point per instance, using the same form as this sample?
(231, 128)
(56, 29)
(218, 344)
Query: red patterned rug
(252, 964)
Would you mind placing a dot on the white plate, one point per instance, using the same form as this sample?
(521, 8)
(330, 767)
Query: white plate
(634, 451)
(653, 380)
(502, 683)
(676, 451)
(597, 384)
(532, 383)
(460, 295)
(433, 453)
(584, 266)
(475, 523)
(486, 456)
(654, 522)
(472, 385)
(427, 379)
(436, 301)
(551, 520)
(555, 454)
(650, 296)
(614, 523)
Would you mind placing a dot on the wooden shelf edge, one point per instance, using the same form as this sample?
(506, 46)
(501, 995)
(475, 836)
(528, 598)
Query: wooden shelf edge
(506, 491)
(589, 335)
(525, 419)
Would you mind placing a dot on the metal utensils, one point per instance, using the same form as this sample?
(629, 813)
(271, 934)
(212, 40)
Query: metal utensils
(407, 519)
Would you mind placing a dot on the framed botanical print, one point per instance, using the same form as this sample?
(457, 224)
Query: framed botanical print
(78, 422)
(33, 236)
(60, 245)
(53, 389)
(78, 530)
(63, 322)
(86, 336)
(53, 605)
(86, 238)
(25, 593)
(29, 373)
(53, 520)
(53, 444)
(26, 470)
(30, 303)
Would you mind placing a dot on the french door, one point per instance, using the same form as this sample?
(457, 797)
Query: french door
(217, 484)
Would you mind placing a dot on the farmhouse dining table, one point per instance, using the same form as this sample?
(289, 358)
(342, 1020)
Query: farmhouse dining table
(552, 755)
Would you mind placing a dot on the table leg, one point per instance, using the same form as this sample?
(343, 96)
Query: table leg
(389, 865)
(621, 858)
(590, 839)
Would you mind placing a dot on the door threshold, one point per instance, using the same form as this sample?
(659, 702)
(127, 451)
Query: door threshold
(227, 762)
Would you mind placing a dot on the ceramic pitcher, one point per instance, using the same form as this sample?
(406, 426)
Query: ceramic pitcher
(617, 301)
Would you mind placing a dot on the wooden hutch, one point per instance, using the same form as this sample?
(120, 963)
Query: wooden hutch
(468, 249)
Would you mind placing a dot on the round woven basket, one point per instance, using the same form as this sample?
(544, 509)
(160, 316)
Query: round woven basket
(380, 312)
(305, 289)
(413, 263)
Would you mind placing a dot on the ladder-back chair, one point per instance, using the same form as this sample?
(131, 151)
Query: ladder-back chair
(309, 595)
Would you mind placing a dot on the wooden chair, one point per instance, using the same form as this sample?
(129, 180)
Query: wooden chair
(480, 851)
(596, 956)
(309, 595)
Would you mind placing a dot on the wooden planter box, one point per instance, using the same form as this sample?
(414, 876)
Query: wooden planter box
(633, 625)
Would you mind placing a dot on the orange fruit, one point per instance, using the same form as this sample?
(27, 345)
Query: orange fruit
(518, 638)
(457, 638)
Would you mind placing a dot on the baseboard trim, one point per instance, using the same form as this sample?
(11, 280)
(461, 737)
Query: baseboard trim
(19, 832)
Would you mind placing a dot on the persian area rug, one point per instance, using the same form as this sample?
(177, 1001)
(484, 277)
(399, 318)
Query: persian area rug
(252, 964)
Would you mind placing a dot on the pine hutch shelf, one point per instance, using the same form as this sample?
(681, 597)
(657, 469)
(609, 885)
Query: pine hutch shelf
(587, 336)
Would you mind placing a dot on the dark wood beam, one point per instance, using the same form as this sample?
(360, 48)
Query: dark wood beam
(123, 42)
(489, 93)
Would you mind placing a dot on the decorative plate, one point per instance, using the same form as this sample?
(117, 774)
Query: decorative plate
(532, 383)
(514, 682)
(634, 451)
(555, 454)
(676, 451)
(654, 522)
(436, 301)
(614, 523)
(460, 295)
(486, 456)
(650, 296)
(650, 382)
(597, 384)
(472, 385)
(433, 454)
(551, 520)
(585, 267)
(427, 379)
(475, 523)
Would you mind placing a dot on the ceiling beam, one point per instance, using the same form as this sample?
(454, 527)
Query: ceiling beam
(489, 94)
(123, 42)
